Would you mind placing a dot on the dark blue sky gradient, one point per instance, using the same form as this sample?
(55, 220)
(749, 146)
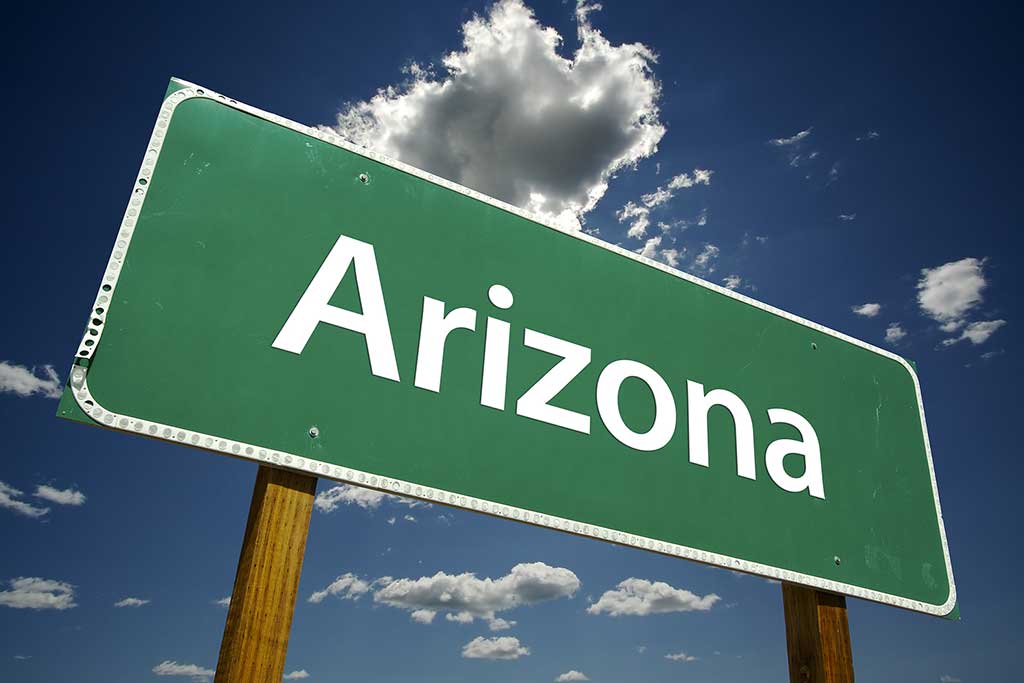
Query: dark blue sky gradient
(940, 85)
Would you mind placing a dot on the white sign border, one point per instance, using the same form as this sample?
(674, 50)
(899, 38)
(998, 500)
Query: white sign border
(88, 403)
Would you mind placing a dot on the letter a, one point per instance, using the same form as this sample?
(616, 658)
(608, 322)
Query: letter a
(777, 451)
(313, 308)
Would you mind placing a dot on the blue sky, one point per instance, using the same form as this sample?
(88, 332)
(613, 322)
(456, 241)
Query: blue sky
(834, 157)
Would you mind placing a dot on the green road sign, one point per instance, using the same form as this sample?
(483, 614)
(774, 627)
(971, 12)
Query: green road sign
(280, 295)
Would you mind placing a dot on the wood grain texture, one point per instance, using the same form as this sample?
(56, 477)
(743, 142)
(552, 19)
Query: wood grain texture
(259, 620)
(817, 636)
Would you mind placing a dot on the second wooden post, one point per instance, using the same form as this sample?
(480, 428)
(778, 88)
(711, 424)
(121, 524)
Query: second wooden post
(817, 636)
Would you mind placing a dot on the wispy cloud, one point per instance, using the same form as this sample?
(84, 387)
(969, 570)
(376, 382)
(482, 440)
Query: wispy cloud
(345, 587)
(652, 249)
(60, 496)
(639, 597)
(572, 675)
(704, 262)
(296, 675)
(639, 215)
(680, 657)
(346, 494)
(848, 217)
(24, 381)
(977, 333)
(666, 192)
(639, 218)
(792, 140)
(131, 602)
(869, 135)
(9, 498)
(798, 153)
(223, 602)
(36, 593)
(198, 674)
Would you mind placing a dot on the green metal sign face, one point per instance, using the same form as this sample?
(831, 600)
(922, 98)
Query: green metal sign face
(279, 295)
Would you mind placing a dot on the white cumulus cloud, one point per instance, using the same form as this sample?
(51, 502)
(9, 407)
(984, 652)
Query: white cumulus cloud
(345, 587)
(131, 602)
(572, 675)
(36, 593)
(640, 597)
(948, 292)
(499, 624)
(464, 597)
(894, 333)
(197, 673)
(60, 496)
(23, 381)
(460, 617)
(513, 118)
(867, 310)
(423, 616)
(504, 647)
(9, 498)
(296, 675)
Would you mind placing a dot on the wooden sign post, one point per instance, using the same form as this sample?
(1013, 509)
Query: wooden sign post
(817, 636)
(255, 641)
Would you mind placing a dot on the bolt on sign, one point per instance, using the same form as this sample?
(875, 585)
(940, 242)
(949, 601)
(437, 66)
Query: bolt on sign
(280, 295)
